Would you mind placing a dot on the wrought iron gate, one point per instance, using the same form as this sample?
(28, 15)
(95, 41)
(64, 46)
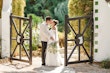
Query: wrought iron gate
(79, 38)
(16, 27)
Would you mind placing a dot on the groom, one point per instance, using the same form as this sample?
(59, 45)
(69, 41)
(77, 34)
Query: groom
(44, 35)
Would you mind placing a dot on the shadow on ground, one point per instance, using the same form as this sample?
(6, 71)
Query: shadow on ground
(47, 69)
(17, 65)
(20, 72)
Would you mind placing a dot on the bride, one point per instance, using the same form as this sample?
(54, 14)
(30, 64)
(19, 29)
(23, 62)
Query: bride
(53, 57)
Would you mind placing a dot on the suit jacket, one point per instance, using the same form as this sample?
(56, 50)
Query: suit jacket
(44, 32)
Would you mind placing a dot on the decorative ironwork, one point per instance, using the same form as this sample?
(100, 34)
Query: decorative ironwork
(19, 38)
(79, 38)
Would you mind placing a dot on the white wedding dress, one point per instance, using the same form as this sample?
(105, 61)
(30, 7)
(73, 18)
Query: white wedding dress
(53, 57)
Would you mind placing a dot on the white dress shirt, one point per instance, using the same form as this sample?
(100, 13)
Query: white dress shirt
(44, 32)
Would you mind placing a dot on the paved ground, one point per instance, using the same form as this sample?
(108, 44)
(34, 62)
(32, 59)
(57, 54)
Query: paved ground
(20, 67)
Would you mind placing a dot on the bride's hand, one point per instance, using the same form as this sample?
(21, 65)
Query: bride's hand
(52, 38)
(54, 28)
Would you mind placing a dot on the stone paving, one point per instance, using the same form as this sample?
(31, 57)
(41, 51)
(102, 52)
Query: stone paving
(36, 67)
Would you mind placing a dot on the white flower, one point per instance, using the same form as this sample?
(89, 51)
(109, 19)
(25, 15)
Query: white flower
(49, 27)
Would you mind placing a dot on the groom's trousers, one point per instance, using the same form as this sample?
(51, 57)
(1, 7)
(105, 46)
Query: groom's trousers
(44, 46)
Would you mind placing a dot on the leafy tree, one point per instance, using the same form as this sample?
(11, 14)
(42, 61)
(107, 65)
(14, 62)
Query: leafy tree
(59, 12)
(42, 7)
(55, 8)
(35, 19)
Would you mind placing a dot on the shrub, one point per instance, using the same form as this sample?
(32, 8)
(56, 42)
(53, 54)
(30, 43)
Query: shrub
(36, 21)
(105, 64)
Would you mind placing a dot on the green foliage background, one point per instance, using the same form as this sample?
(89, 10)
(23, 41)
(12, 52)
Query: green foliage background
(36, 20)
(55, 8)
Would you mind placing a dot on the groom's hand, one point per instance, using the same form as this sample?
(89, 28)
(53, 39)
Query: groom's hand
(51, 38)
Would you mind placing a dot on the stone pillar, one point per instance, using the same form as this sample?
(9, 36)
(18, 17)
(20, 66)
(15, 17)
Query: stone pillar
(6, 10)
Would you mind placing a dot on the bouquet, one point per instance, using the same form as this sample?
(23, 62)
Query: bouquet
(52, 48)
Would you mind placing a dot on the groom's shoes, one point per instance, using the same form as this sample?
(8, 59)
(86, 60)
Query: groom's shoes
(43, 64)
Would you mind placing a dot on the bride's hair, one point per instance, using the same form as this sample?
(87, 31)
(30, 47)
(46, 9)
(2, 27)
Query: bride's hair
(55, 21)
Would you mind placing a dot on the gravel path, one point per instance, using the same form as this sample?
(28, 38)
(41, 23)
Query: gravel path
(21, 67)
